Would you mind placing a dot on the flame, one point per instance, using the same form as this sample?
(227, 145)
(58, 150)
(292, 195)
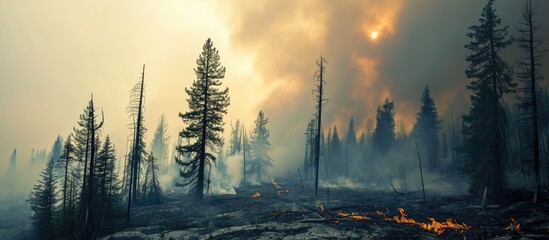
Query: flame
(514, 226)
(434, 226)
(256, 194)
(354, 216)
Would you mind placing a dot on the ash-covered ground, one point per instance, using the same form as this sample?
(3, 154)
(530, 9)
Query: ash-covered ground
(290, 212)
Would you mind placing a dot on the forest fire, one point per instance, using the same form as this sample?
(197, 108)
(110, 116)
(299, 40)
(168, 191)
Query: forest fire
(436, 227)
(354, 216)
(256, 195)
(514, 226)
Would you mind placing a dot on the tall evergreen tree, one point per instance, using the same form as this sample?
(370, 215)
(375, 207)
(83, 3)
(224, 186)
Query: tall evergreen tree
(207, 105)
(107, 184)
(426, 128)
(485, 131)
(336, 163)
(530, 66)
(350, 145)
(151, 185)
(260, 146)
(384, 133)
(308, 163)
(67, 157)
(161, 141)
(43, 201)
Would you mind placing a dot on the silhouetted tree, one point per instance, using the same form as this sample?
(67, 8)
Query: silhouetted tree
(66, 222)
(384, 133)
(151, 185)
(161, 142)
(335, 158)
(308, 162)
(485, 131)
(350, 145)
(13, 163)
(319, 91)
(138, 152)
(260, 146)
(426, 128)
(207, 105)
(236, 137)
(93, 127)
(530, 66)
(106, 177)
(43, 201)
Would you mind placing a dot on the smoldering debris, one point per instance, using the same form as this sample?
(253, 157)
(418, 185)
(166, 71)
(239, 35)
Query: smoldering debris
(256, 211)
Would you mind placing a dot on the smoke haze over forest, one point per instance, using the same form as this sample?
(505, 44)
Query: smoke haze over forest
(55, 56)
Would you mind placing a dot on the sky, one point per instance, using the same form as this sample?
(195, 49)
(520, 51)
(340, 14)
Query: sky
(54, 56)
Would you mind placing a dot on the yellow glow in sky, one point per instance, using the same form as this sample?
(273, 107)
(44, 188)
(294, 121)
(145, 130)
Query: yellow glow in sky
(374, 35)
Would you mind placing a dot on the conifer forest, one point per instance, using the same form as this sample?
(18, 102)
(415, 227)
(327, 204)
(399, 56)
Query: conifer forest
(311, 119)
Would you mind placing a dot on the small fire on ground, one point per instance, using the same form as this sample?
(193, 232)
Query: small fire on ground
(256, 194)
(435, 226)
(514, 226)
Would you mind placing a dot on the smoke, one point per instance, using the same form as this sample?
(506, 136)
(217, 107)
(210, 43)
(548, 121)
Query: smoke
(417, 44)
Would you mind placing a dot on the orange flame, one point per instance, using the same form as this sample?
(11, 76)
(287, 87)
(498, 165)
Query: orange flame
(434, 226)
(256, 194)
(514, 226)
(354, 216)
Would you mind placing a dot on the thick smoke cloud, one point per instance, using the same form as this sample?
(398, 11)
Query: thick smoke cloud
(418, 43)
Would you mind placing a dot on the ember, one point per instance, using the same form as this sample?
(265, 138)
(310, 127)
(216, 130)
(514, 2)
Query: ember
(354, 216)
(514, 226)
(436, 227)
(256, 194)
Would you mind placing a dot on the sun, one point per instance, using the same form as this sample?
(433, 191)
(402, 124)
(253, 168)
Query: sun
(374, 35)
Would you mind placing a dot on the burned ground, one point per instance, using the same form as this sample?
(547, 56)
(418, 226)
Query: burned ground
(291, 213)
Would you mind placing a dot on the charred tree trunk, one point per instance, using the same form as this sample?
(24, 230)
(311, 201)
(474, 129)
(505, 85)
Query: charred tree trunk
(136, 155)
(319, 121)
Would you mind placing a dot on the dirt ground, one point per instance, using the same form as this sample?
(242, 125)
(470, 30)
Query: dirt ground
(290, 212)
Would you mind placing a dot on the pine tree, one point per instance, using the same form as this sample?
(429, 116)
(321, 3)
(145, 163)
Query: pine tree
(426, 128)
(161, 141)
(335, 161)
(384, 133)
(530, 66)
(43, 201)
(260, 146)
(13, 163)
(151, 185)
(107, 184)
(207, 105)
(236, 137)
(308, 162)
(485, 131)
(66, 161)
(350, 145)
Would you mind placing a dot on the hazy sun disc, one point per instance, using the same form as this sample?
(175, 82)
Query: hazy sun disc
(374, 35)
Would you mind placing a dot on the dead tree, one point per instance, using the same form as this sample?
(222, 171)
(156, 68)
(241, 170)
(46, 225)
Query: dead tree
(92, 129)
(136, 155)
(319, 84)
(530, 65)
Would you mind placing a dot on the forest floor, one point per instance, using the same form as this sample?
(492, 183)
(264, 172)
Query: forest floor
(290, 212)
